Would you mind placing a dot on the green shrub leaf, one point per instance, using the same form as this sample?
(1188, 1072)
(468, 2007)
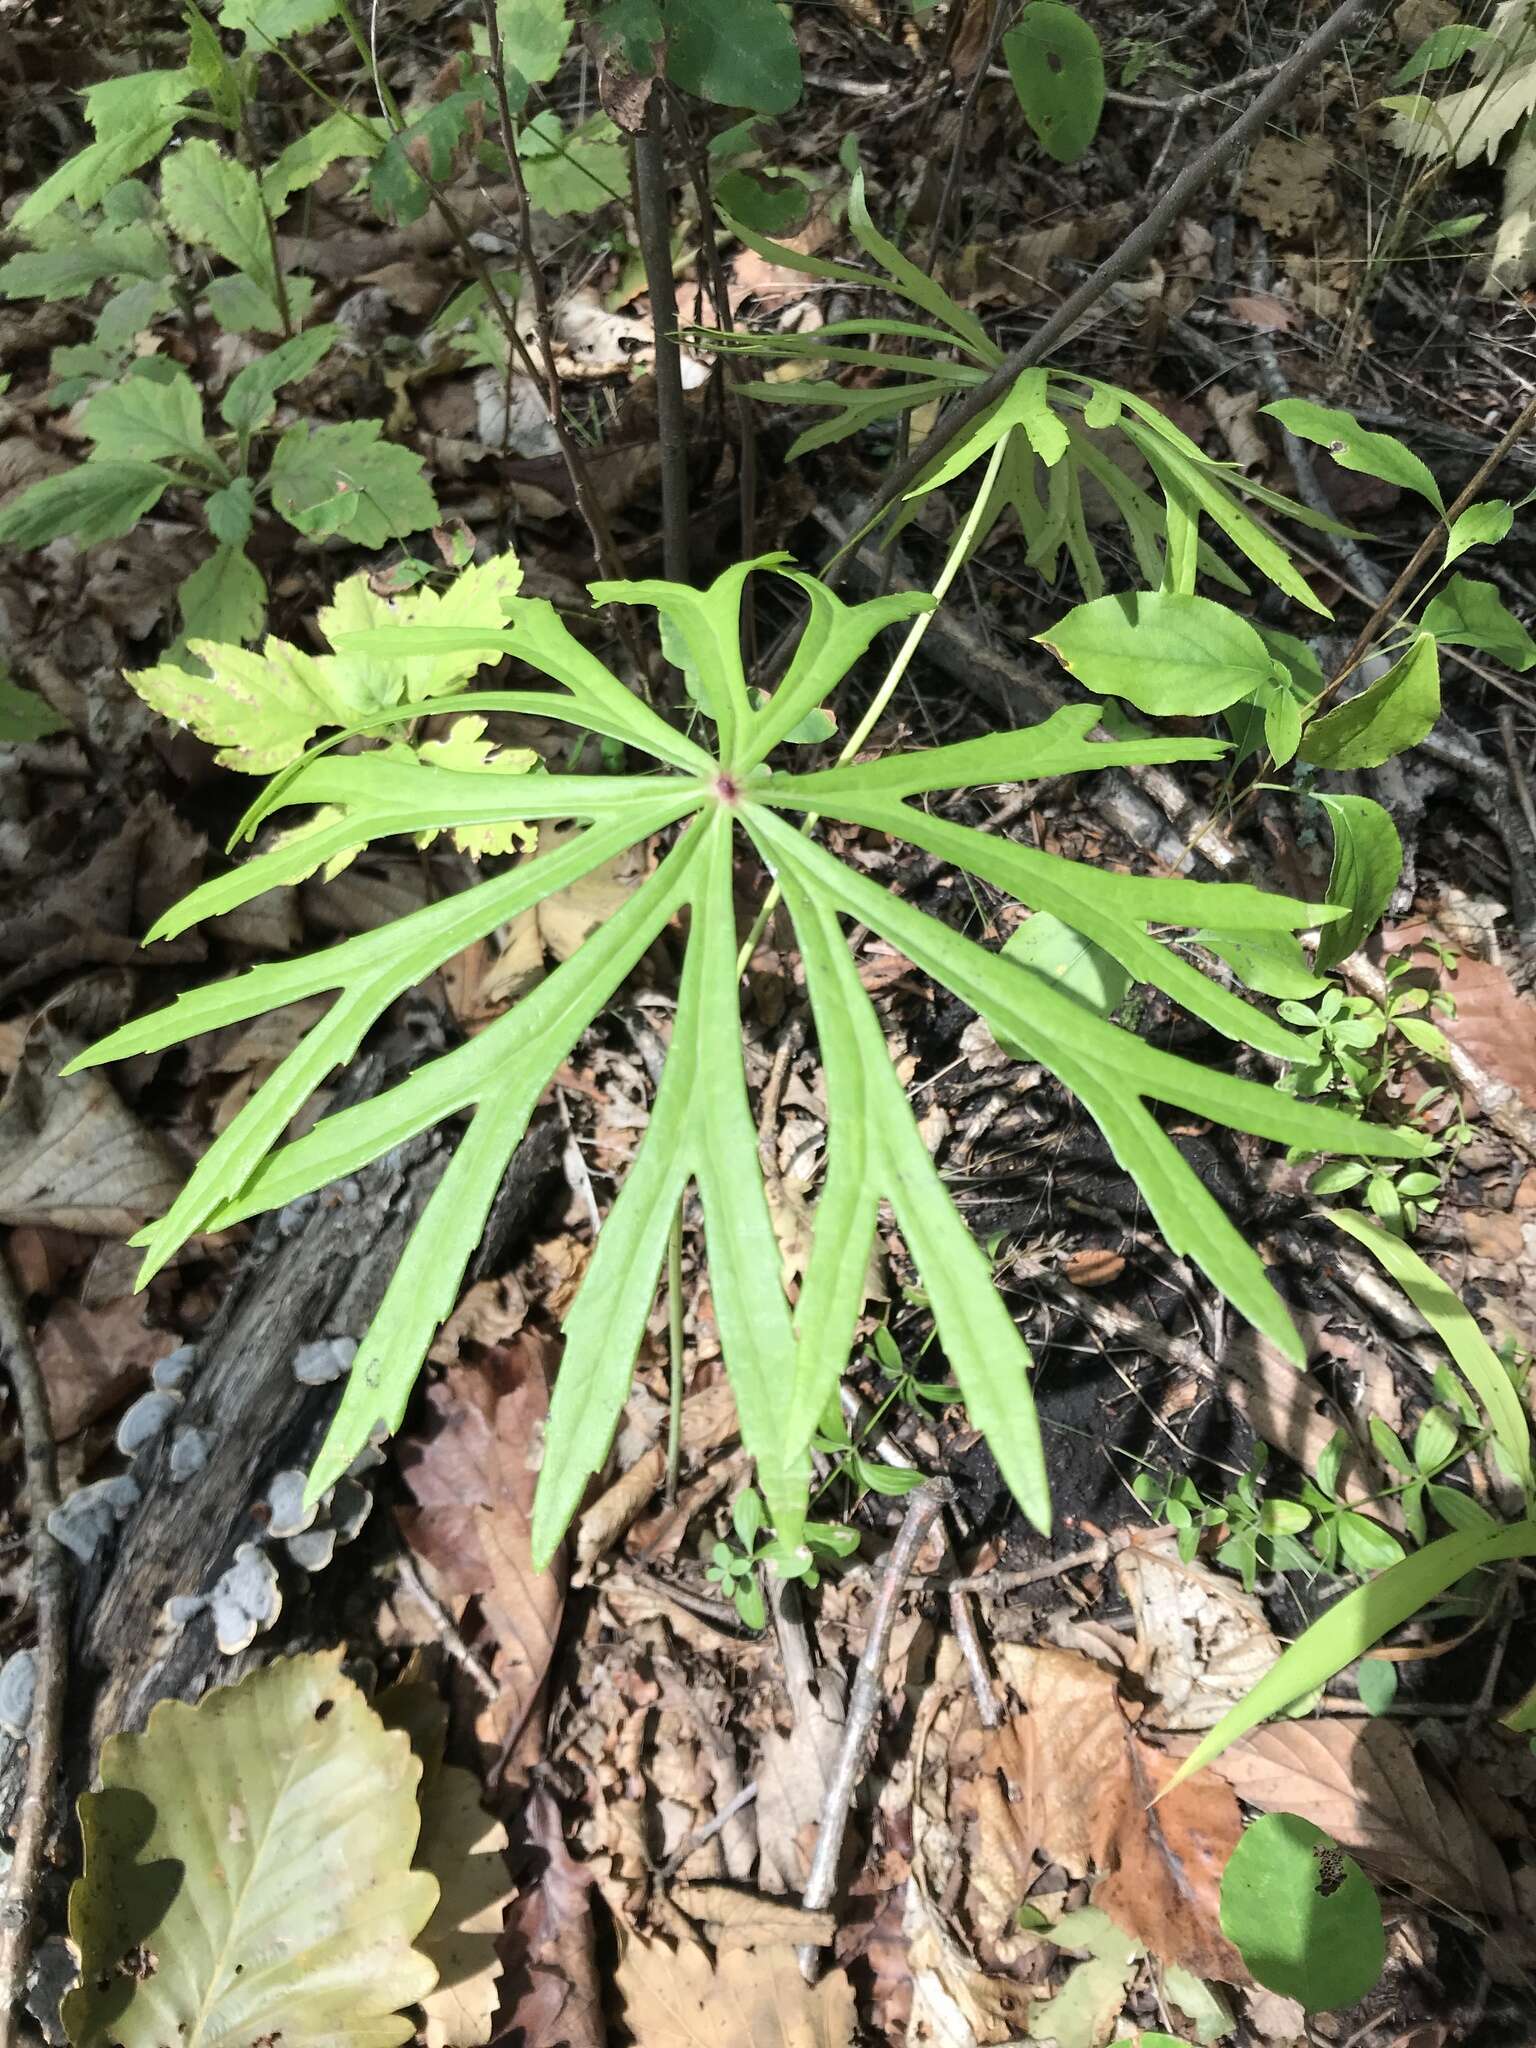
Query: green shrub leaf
(1302, 1915)
(1169, 655)
(215, 203)
(345, 479)
(1385, 719)
(93, 501)
(1479, 526)
(251, 399)
(747, 57)
(1471, 613)
(252, 1854)
(1354, 447)
(1367, 860)
(225, 599)
(24, 716)
(1057, 69)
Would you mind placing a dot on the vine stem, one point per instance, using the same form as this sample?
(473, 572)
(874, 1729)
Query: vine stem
(1138, 244)
(954, 562)
(50, 1594)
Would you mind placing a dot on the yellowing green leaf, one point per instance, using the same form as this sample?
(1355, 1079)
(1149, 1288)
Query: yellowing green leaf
(1385, 719)
(467, 750)
(248, 1873)
(259, 709)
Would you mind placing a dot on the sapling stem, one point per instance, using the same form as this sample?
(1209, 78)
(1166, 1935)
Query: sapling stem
(674, 1352)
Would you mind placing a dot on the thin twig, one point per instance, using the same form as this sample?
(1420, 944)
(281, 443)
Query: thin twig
(1140, 243)
(446, 1627)
(707, 1832)
(653, 214)
(587, 503)
(1517, 774)
(864, 1703)
(1053, 1568)
(50, 1599)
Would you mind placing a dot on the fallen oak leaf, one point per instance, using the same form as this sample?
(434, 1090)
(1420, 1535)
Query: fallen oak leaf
(674, 1998)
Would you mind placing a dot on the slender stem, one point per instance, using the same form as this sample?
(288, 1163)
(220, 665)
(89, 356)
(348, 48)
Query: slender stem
(864, 1702)
(725, 320)
(954, 562)
(674, 1351)
(653, 212)
(50, 1595)
(1141, 242)
(587, 502)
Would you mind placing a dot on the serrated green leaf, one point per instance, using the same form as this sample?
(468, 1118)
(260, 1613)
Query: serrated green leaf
(1355, 447)
(94, 501)
(258, 709)
(69, 267)
(534, 37)
(1455, 1326)
(150, 419)
(1354, 1625)
(23, 715)
(133, 118)
(1384, 719)
(1471, 613)
(231, 512)
(215, 203)
(264, 22)
(1367, 860)
(345, 479)
(333, 140)
(241, 305)
(749, 59)
(1054, 60)
(225, 599)
(257, 1849)
(575, 172)
(251, 399)
(1169, 655)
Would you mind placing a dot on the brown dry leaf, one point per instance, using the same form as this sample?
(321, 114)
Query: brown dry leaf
(1287, 188)
(793, 1773)
(675, 1999)
(1202, 1642)
(1282, 1406)
(1493, 1025)
(547, 1951)
(709, 1420)
(72, 1154)
(1093, 1268)
(1165, 1864)
(492, 1312)
(91, 1359)
(558, 925)
(473, 1476)
(1360, 1782)
(1088, 1783)
(1263, 310)
(1235, 413)
(733, 1918)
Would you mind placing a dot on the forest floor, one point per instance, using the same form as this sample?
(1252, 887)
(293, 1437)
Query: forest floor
(661, 1768)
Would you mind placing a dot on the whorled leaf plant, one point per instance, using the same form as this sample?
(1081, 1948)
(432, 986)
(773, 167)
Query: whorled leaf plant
(784, 1362)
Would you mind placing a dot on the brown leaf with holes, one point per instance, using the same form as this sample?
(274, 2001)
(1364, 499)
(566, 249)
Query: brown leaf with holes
(1087, 1785)
(1360, 1781)
(675, 1998)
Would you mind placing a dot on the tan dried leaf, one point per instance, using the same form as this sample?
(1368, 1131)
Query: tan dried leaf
(1360, 1782)
(734, 1918)
(548, 1950)
(72, 1154)
(675, 1999)
(1202, 1642)
(92, 1358)
(1287, 187)
(492, 1312)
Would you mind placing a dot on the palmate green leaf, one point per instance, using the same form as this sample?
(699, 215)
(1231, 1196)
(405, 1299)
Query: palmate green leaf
(1110, 1071)
(1454, 1324)
(700, 1131)
(151, 417)
(1357, 1623)
(133, 119)
(255, 1850)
